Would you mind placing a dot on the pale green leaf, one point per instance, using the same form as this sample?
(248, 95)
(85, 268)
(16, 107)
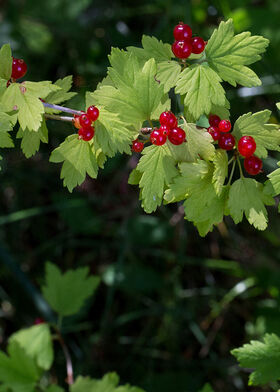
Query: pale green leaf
(228, 54)
(134, 177)
(152, 48)
(62, 95)
(221, 111)
(18, 371)
(5, 126)
(58, 286)
(158, 169)
(78, 160)
(202, 89)
(168, 73)
(274, 180)
(30, 142)
(199, 143)
(37, 343)
(246, 196)
(263, 357)
(267, 136)
(207, 388)
(6, 62)
(220, 173)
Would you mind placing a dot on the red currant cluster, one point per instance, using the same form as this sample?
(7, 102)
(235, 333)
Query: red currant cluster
(185, 44)
(84, 123)
(168, 129)
(19, 68)
(219, 130)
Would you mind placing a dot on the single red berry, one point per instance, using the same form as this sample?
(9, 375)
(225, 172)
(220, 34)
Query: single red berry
(198, 45)
(182, 32)
(19, 68)
(247, 146)
(224, 126)
(158, 137)
(165, 129)
(182, 49)
(253, 165)
(177, 136)
(137, 146)
(168, 119)
(226, 141)
(85, 121)
(214, 120)
(86, 134)
(93, 113)
(214, 132)
(38, 321)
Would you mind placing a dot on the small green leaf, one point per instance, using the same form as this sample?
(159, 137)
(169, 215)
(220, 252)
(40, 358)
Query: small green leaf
(134, 177)
(78, 160)
(207, 388)
(18, 371)
(228, 54)
(30, 142)
(6, 62)
(267, 136)
(220, 173)
(263, 357)
(152, 48)
(246, 196)
(202, 88)
(5, 126)
(274, 179)
(168, 73)
(37, 343)
(199, 143)
(58, 286)
(62, 95)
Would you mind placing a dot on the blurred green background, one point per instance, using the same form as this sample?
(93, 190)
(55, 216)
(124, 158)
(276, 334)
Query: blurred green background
(172, 305)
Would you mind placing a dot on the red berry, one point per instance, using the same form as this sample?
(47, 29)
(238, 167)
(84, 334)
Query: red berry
(247, 146)
(226, 141)
(198, 45)
(253, 165)
(85, 121)
(224, 126)
(182, 32)
(168, 119)
(214, 132)
(158, 137)
(38, 321)
(19, 68)
(86, 134)
(214, 120)
(165, 129)
(182, 49)
(137, 146)
(177, 136)
(93, 113)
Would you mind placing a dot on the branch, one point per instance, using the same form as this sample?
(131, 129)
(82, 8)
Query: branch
(61, 108)
(69, 365)
(59, 118)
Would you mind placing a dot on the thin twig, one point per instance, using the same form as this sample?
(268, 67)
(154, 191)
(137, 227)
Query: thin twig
(62, 108)
(69, 365)
(59, 118)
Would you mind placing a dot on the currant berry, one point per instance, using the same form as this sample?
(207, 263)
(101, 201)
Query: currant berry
(19, 68)
(198, 45)
(224, 126)
(226, 141)
(86, 134)
(214, 132)
(38, 321)
(168, 119)
(158, 137)
(182, 32)
(85, 121)
(247, 146)
(182, 49)
(76, 121)
(137, 146)
(165, 129)
(253, 165)
(214, 120)
(177, 136)
(93, 113)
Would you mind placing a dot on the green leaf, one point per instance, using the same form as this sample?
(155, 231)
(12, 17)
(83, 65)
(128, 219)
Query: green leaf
(220, 173)
(158, 169)
(30, 142)
(24, 98)
(274, 179)
(152, 48)
(62, 95)
(207, 388)
(228, 55)
(58, 286)
(6, 62)
(168, 74)
(264, 357)
(199, 143)
(134, 177)
(267, 136)
(54, 388)
(5, 126)
(37, 343)
(246, 196)
(202, 88)
(18, 371)
(78, 160)
(278, 105)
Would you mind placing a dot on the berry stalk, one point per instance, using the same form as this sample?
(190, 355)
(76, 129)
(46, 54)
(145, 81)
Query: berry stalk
(62, 108)
(59, 118)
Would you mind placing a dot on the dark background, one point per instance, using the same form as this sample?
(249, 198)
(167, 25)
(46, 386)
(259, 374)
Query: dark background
(171, 305)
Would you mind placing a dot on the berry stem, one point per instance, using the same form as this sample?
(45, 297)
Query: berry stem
(151, 123)
(62, 108)
(231, 174)
(232, 159)
(240, 168)
(69, 365)
(59, 118)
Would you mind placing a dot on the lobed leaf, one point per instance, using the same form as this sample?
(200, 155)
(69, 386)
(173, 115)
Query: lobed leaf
(6, 62)
(220, 173)
(152, 48)
(30, 142)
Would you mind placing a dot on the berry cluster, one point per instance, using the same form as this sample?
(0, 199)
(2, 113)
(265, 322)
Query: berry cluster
(168, 129)
(219, 130)
(84, 123)
(185, 44)
(19, 68)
